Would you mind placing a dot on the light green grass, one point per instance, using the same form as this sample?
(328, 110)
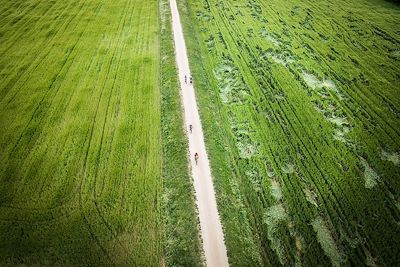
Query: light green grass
(327, 242)
(80, 171)
(90, 174)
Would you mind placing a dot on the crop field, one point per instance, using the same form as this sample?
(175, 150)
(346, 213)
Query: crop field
(300, 101)
(82, 144)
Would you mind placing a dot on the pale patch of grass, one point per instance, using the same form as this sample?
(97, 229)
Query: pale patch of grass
(370, 176)
(288, 168)
(255, 179)
(311, 196)
(279, 58)
(274, 216)
(339, 121)
(246, 150)
(276, 190)
(270, 38)
(231, 87)
(327, 242)
(392, 157)
(299, 244)
(313, 82)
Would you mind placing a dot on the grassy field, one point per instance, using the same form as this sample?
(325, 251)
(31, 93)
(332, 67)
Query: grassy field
(87, 169)
(301, 107)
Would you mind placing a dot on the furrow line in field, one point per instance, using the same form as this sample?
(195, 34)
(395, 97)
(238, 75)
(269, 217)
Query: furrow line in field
(138, 51)
(96, 172)
(96, 239)
(83, 201)
(113, 58)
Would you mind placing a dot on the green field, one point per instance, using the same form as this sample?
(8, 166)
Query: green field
(300, 104)
(87, 166)
(300, 101)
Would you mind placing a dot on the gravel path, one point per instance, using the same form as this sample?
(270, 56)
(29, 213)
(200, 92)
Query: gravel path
(211, 229)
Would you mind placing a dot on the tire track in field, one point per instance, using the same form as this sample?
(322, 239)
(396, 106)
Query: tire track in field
(95, 195)
(82, 201)
(113, 58)
(138, 51)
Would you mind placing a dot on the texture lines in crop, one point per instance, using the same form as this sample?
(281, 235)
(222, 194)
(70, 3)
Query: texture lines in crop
(80, 168)
(309, 125)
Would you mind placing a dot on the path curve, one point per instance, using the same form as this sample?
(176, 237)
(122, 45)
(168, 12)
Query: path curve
(210, 225)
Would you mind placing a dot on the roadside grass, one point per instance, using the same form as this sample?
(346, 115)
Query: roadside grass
(182, 244)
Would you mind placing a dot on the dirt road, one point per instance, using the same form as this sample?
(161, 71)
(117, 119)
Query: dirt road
(211, 229)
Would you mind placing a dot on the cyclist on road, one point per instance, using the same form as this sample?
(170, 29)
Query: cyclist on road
(196, 157)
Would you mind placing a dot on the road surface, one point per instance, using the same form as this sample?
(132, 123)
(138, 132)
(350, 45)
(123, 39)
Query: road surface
(210, 225)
